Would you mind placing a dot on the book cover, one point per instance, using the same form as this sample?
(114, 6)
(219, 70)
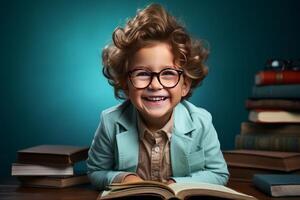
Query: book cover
(52, 154)
(273, 104)
(276, 92)
(272, 77)
(270, 129)
(272, 160)
(263, 142)
(278, 185)
(53, 182)
(274, 116)
(174, 190)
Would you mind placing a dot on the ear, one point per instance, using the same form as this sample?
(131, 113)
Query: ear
(186, 86)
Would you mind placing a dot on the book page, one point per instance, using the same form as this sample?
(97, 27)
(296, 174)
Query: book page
(121, 186)
(180, 190)
(144, 188)
(205, 188)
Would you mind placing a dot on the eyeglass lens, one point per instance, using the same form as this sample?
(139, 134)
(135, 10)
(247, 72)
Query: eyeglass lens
(168, 78)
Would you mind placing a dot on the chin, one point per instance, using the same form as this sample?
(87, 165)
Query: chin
(156, 115)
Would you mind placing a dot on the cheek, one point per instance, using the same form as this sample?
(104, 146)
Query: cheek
(181, 89)
(133, 93)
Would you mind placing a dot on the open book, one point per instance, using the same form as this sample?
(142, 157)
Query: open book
(159, 190)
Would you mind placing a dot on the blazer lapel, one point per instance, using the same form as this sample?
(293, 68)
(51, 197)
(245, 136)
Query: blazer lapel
(127, 140)
(181, 141)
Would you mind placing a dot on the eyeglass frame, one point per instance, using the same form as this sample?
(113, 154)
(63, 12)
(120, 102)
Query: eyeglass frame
(282, 64)
(157, 74)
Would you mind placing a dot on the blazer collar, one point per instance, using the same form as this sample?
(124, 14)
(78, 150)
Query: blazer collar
(128, 116)
(183, 123)
(127, 136)
(181, 140)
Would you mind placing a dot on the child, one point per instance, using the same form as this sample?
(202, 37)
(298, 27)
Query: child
(155, 134)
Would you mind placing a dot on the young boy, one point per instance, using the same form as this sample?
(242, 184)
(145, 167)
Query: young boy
(155, 134)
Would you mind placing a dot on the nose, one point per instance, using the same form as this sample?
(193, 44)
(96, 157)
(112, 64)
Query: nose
(155, 84)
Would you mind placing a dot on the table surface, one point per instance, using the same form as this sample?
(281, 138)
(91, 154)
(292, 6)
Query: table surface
(10, 190)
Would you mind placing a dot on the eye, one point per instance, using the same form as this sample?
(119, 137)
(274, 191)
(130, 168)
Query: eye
(141, 73)
(169, 72)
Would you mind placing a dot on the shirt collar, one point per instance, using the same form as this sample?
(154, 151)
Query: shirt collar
(167, 129)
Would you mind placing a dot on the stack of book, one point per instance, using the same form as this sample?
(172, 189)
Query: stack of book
(51, 166)
(278, 185)
(269, 142)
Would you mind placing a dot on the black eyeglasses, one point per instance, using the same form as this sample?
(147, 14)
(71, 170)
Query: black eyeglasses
(280, 64)
(168, 78)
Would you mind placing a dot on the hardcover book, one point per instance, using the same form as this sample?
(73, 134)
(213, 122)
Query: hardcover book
(263, 142)
(175, 190)
(278, 185)
(21, 169)
(53, 182)
(246, 174)
(52, 154)
(272, 77)
(276, 92)
(249, 128)
(274, 116)
(272, 160)
(273, 104)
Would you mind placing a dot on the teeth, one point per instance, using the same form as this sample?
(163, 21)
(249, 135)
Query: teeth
(155, 98)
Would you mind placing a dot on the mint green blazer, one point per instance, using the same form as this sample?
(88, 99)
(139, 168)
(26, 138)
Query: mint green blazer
(195, 148)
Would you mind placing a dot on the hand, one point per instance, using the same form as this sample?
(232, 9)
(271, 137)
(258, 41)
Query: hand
(170, 181)
(132, 178)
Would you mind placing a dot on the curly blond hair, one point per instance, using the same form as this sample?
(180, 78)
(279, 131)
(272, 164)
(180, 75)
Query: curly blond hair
(150, 26)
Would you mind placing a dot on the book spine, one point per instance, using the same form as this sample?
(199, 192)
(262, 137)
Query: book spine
(262, 185)
(276, 92)
(273, 143)
(275, 104)
(277, 77)
(270, 129)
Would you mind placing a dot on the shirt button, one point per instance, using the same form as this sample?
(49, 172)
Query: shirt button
(156, 149)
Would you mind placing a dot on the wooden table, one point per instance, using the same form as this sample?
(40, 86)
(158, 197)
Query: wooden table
(10, 190)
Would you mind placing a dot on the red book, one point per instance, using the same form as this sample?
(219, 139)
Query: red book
(277, 77)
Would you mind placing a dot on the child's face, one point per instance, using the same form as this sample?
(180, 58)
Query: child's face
(155, 102)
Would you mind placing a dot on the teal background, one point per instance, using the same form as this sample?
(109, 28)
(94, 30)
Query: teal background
(52, 88)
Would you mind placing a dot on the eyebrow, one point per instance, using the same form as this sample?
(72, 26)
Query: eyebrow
(147, 67)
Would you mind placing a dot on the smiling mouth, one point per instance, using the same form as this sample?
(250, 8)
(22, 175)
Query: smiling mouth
(155, 99)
